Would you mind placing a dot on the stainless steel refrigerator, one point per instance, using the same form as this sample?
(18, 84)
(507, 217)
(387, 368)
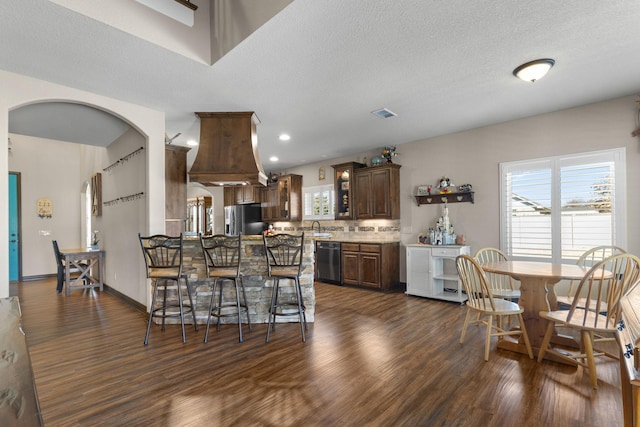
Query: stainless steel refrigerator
(245, 219)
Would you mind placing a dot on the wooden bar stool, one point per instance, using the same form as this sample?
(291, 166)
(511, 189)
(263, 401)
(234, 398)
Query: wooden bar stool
(284, 262)
(222, 256)
(163, 260)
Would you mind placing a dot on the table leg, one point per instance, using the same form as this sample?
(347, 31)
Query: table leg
(101, 271)
(536, 294)
(67, 272)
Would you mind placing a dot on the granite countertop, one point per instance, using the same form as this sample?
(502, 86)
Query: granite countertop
(359, 239)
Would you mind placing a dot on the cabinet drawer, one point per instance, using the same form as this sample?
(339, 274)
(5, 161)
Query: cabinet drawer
(351, 247)
(445, 252)
(370, 248)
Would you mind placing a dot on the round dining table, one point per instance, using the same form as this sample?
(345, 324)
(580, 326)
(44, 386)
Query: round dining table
(537, 281)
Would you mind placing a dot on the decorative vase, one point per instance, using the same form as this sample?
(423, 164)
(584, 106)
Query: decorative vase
(376, 161)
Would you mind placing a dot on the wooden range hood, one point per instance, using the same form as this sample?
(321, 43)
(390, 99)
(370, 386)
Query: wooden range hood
(228, 150)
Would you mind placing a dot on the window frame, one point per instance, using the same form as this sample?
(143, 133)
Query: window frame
(555, 163)
(307, 194)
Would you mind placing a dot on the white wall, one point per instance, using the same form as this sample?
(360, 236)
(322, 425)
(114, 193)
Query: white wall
(18, 91)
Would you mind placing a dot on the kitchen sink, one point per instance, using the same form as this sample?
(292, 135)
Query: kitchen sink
(322, 235)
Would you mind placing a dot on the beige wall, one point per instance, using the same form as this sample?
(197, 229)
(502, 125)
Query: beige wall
(472, 157)
(50, 169)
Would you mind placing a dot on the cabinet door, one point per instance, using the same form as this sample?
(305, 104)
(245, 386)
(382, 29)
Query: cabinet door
(380, 190)
(350, 268)
(239, 195)
(229, 196)
(269, 203)
(370, 270)
(283, 198)
(418, 271)
(362, 195)
(175, 189)
(247, 194)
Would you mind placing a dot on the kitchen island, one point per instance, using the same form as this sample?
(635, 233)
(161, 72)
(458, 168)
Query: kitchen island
(257, 284)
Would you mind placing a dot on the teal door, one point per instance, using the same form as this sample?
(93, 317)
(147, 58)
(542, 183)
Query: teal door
(14, 227)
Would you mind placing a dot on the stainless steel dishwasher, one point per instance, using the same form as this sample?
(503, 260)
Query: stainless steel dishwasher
(328, 261)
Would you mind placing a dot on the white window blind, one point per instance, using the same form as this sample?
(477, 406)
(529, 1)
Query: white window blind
(318, 203)
(556, 208)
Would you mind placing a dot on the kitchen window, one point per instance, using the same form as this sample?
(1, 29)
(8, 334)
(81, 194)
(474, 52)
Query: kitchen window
(554, 209)
(318, 203)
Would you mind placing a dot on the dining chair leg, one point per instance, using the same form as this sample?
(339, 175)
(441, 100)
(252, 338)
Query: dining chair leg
(303, 321)
(466, 324)
(586, 338)
(487, 340)
(304, 315)
(153, 304)
(235, 284)
(164, 302)
(193, 307)
(219, 306)
(184, 334)
(244, 298)
(211, 304)
(546, 340)
(272, 308)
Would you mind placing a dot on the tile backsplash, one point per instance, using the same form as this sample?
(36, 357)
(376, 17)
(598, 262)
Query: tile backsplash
(367, 230)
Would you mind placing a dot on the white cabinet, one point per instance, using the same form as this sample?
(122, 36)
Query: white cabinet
(431, 272)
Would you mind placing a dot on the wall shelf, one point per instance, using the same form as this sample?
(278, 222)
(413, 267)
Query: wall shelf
(433, 199)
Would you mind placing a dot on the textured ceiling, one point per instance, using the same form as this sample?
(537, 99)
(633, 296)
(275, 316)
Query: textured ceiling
(318, 68)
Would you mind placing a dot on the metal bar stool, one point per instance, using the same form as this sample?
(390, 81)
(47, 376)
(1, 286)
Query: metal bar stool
(163, 261)
(222, 256)
(284, 262)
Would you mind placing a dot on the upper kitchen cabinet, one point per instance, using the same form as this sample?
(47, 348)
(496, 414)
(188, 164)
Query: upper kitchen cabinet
(376, 191)
(175, 170)
(343, 174)
(282, 200)
(242, 195)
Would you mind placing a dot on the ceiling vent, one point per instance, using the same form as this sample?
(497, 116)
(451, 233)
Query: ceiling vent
(384, 113)
(228, 151)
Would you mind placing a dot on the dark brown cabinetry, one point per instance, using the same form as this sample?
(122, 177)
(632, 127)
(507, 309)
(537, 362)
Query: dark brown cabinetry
(242, 195)
(372, 265)
(282, 200)
(175, 188)
(377, 192)
(343, 178)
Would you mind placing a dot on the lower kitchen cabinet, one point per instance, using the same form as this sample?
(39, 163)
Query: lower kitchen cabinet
(431, 272)
(371, 265)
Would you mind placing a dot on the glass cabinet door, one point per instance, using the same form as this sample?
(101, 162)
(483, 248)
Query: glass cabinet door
(343, 177)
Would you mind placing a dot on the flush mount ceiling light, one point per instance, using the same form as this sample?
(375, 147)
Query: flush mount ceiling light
(284, 137)
(533, 70)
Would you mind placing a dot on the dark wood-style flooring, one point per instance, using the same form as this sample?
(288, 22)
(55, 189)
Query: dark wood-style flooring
(371, 359)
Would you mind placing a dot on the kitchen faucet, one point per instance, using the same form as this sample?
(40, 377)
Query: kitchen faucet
(313, 224)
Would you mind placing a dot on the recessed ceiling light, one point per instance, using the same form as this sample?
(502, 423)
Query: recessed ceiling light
(285, 137)
(384, 113)
(273, 158)
(192, 142)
